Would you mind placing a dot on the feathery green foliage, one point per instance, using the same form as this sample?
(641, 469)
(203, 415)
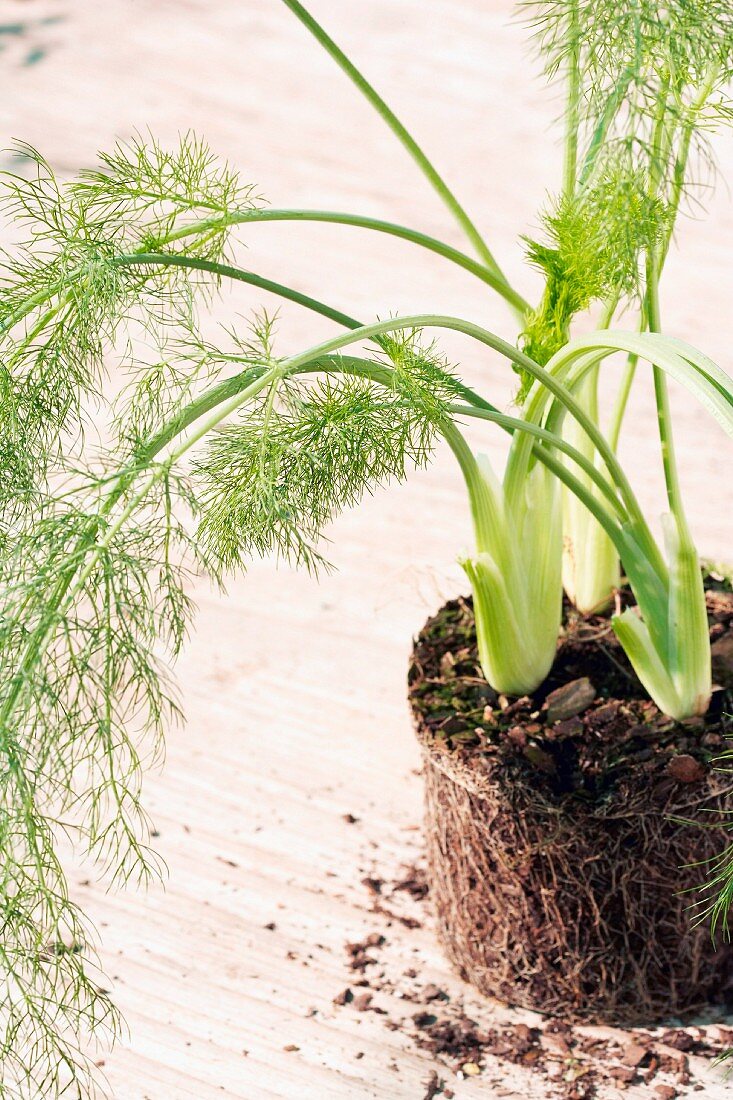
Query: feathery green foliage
(65, 297)
(99, 539)
(271, 481)
(597, 240)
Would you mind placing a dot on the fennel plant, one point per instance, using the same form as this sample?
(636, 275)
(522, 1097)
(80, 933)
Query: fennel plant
(215, 451)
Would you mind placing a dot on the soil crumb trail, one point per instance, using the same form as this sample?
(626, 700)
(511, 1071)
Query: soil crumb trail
(573, 1062)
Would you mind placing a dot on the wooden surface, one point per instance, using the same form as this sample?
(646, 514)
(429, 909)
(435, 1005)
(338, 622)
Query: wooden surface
(294, 690)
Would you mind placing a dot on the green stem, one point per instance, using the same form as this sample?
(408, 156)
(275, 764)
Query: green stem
(622, 400)
(313, 304)
(375, 331)
(661, 142)
(661, 395)
(486, 274)
(230, 388)
(572, 108)
(367, 332)
(557, 389)
(515, 424)
(215, 224)
(402, 134)
(172, 259)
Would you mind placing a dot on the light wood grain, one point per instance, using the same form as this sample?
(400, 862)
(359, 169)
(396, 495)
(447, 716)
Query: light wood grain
(294, 690)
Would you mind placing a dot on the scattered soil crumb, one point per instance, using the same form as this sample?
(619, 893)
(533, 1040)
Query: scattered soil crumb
(435, 1086)
(575, 1063)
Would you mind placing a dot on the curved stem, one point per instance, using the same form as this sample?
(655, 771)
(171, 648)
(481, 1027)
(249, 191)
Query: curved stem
(380, 328)
(455, 324)
(314, 304)
(483, 272)
(227, 271)
(401, 133)
(200, 228)
(513, 424)
(239, 275)
(483, 410)
(556, 388)
(230, 389)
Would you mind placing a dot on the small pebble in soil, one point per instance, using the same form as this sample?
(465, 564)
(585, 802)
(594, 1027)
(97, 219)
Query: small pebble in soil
(685, 769)
(569, 700)
(634, 1054)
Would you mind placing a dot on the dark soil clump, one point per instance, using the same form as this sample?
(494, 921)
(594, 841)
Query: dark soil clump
(561, 875)
(587, 726)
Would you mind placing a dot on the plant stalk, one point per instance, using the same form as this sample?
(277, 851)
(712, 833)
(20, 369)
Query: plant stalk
(404, 137)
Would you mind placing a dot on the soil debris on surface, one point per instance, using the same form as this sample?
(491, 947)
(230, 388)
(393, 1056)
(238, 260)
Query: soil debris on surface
(574, 1062)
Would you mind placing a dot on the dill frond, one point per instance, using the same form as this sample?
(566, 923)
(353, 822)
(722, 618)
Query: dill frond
(99, 539)
(641, 64)
(596, 243)
(65, 298)
(162, 191)
(91, 614)
(634, 37)
(85, 698)
(270, 483)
